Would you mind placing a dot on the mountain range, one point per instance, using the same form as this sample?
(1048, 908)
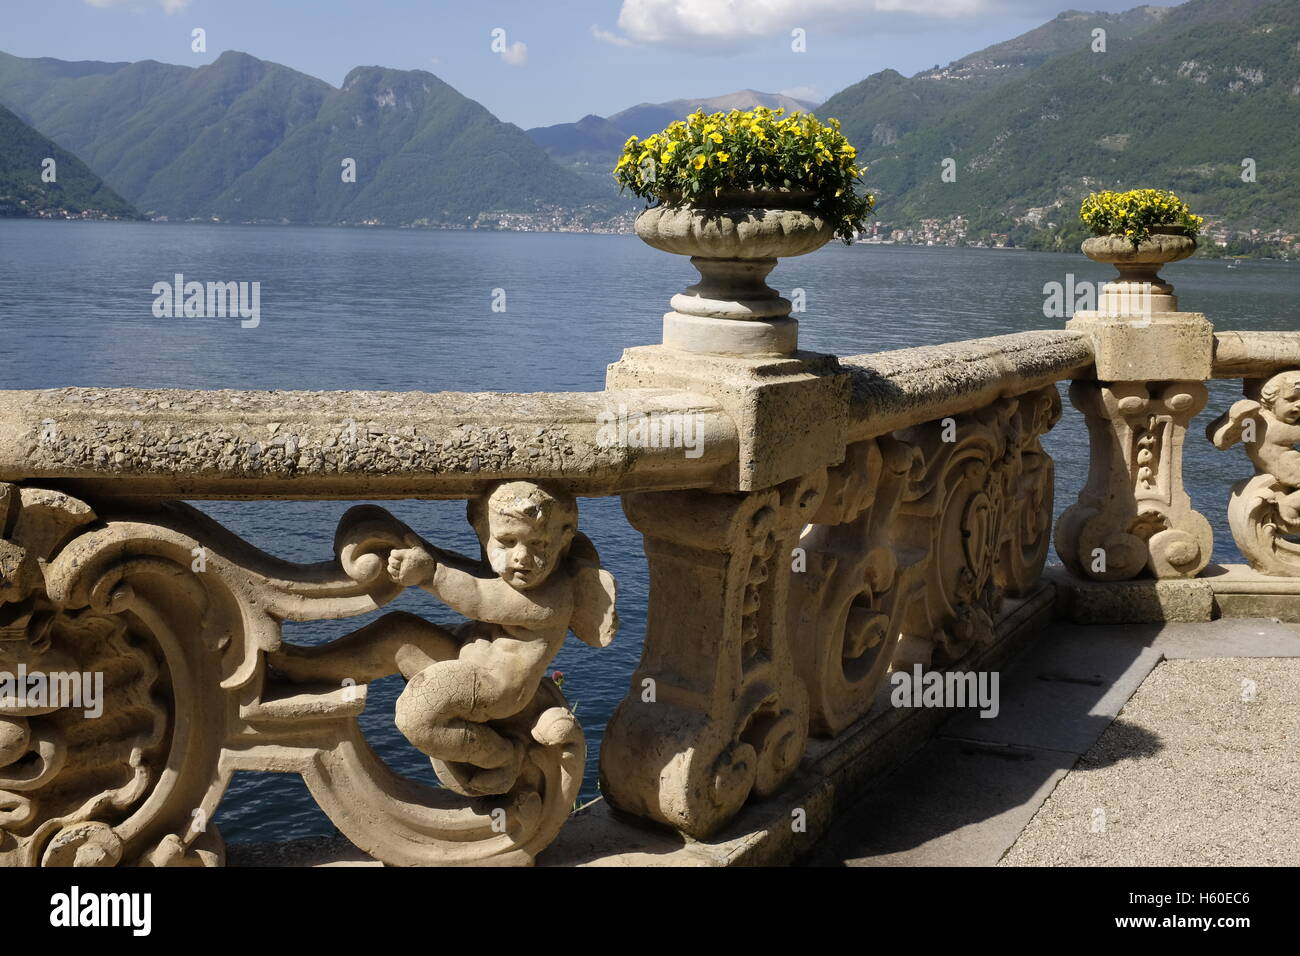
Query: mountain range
(1186, 98)
(39, 178)
(598, 140)
(248, 140)
(1181, 98)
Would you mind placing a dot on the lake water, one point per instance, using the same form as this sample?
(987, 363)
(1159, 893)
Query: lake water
(412, 310)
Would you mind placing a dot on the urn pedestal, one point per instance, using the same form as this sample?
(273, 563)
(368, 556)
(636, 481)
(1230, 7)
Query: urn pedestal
(734, 240)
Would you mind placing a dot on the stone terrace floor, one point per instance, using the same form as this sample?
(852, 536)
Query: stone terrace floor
(1159, 745)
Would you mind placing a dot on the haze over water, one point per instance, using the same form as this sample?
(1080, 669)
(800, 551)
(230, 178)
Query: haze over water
(412, 310)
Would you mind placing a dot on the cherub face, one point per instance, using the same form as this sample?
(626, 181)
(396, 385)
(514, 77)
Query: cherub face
(1286, 404)
(524, 551)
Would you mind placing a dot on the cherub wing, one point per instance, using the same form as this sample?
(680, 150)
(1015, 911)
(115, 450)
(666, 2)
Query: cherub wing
(595, 617)
(1225, 431)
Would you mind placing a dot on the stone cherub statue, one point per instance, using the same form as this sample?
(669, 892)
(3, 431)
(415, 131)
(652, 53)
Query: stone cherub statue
(538, 579)
(1270, 429)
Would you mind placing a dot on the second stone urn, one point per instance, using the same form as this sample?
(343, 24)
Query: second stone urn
(734, 240)
(1137, 330)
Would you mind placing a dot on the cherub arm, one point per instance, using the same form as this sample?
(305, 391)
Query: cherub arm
(595, 618)
(1225, 431)
(485, 597)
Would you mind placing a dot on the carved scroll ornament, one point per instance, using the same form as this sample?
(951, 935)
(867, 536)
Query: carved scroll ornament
(919, 537)
(181, 618)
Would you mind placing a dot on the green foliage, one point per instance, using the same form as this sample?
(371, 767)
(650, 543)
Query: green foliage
(1181, 103)
(701, 157)
(75, 191)
(245, 140)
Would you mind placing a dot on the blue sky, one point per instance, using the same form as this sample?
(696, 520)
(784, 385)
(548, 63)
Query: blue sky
(557, 59)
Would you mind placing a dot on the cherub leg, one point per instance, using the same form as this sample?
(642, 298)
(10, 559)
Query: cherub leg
(397, 642)
(442, 713)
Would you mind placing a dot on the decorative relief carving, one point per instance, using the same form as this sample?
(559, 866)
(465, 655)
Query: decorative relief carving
(981, 509)
(716, 712)
(1264, 511)
(846, 604)
(1133, 515)
(182, 618)
(919, 537)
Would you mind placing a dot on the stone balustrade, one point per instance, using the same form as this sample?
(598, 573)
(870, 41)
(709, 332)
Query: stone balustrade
(810, 524)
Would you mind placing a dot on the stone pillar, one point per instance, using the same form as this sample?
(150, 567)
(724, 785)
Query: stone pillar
(1133, 515)
(716, 711)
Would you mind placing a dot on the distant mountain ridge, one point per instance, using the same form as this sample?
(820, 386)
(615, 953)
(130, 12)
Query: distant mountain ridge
(75, 192)
(248, 140)
(1179, 99)
(598, 140)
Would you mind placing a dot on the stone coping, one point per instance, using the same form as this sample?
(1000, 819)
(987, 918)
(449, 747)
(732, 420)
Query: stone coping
(1254, 354)
(256, 444)
(892, 390)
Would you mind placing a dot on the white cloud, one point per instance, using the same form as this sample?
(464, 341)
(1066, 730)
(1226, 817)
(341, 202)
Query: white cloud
(730, 25)
(606, 36)
(516, 54)
(168, 6)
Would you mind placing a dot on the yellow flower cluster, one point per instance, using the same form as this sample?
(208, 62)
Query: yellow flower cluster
(1135, 213)
(759, 149)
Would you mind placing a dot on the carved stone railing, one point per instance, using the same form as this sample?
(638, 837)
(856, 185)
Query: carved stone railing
(1134, 517)
(930, 498)
(104, 574)
(833, 519)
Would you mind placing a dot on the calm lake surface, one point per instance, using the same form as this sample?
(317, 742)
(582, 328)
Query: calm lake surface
(412, 310)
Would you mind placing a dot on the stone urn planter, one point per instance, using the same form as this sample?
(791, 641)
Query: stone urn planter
(734, 241)
(1138, 333)
(1139, 269)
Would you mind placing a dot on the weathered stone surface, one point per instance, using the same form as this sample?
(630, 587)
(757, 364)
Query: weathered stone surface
(789, 412)
(1168, 346)
(183, 620)
(1264, 511)
(1133, 515)
(715, 712)
(892, 390)
(1241, 591)
(918, 540)
(734, 241)
(1255, 354)
(1144, 601)
(737, 226)
(229, 444)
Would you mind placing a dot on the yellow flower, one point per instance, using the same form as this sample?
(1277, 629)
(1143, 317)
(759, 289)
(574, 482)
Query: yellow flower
(722, 157)
(699, 162)
(716, 137)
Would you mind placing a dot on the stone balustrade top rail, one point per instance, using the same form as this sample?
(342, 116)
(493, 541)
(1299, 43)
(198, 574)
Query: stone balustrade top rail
(1254, 354)
(892, 390)
(257, 444)
(384, 445)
